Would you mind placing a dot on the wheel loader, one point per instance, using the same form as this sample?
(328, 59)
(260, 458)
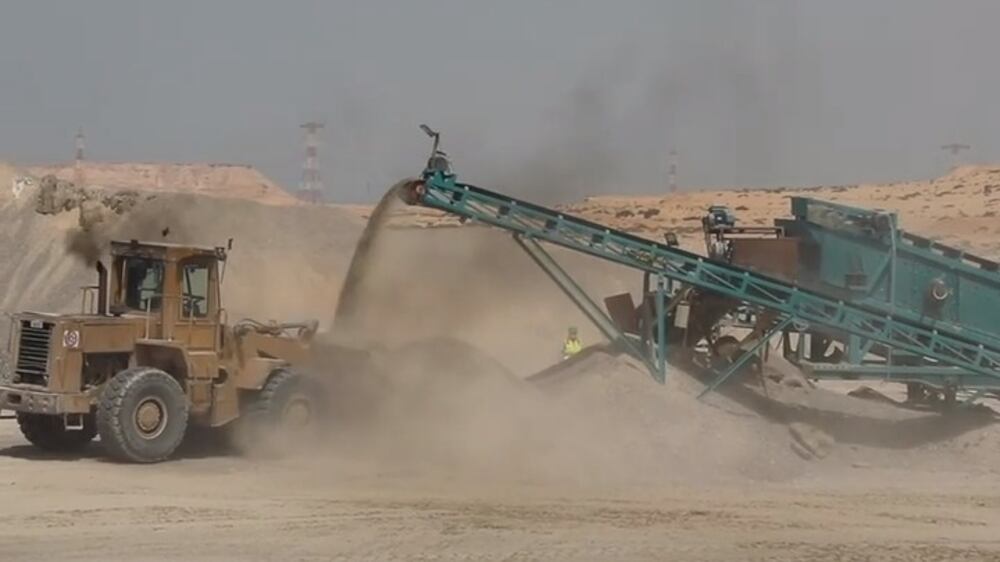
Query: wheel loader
(151, 355)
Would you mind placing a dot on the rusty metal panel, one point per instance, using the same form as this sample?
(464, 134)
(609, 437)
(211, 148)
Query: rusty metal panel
(621, 309)
(777, 257)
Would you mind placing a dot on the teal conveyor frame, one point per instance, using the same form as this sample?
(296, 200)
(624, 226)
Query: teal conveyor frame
(968, 358)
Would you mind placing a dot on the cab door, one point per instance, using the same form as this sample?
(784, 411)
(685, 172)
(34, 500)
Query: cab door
(198, 314)
(197, 327)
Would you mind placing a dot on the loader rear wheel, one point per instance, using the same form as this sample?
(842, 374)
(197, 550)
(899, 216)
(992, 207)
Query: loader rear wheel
(142, 415)
(49, 433)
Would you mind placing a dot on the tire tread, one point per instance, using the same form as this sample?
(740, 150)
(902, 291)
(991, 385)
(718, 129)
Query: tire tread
(109, 425)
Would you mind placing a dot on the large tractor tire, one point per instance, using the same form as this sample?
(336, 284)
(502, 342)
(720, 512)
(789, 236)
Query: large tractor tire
(142, 415)
(49, 433)
(285, 415)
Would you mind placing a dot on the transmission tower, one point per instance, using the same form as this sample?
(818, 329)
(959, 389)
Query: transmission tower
(954, 148)
(311, 189)
(78, 175)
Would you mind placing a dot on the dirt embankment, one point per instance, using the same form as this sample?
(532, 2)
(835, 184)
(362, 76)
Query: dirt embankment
(215, 180)
(287, 262)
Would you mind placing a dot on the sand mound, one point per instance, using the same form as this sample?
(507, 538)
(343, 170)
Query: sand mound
(287, 261)
(446, 407)
(217, 180)
(664, 432)
(974, 173)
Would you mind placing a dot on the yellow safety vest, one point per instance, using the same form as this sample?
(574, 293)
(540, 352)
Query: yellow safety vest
(572, 347)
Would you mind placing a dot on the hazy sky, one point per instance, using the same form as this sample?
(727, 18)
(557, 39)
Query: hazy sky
(554, 98)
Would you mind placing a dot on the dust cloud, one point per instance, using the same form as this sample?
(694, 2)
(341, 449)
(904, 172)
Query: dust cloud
(96, 213)
(452, 321)
(455, 319)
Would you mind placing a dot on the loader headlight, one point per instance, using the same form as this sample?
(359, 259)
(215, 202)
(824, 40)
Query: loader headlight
(71, 339)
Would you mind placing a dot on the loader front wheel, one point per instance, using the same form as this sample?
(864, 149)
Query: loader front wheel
(49, 433)
(142, 415)
(284, 416)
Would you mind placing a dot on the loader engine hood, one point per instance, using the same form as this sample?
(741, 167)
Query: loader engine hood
(48, 350)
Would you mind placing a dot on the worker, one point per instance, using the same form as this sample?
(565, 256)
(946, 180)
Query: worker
(572, 346)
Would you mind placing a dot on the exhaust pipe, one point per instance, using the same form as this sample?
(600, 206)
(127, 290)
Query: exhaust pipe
(102, 289)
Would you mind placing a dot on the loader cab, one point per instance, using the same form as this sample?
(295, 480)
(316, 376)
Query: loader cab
(175, 288)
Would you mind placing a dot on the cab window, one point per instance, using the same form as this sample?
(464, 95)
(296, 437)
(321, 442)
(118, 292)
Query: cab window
(143, 283)
(194, 289)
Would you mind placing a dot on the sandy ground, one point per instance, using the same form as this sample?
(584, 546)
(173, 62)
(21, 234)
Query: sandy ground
(604, 465)
(216, 507)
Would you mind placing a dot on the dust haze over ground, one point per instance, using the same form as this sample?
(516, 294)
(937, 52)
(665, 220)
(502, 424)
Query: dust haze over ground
(459, 335)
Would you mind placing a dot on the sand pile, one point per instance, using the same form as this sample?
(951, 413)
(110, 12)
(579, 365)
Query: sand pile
(444, 407)
(287, 261)
(665, 433)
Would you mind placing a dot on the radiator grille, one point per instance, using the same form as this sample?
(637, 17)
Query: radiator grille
(32, 365)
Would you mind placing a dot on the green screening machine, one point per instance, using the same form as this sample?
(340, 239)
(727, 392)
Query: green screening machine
(847, 292)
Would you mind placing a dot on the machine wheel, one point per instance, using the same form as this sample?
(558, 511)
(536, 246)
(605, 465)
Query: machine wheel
(727, 347)
(289, 408)
(727, 351)
(142, 415)
(50, 434)
(288, 402)
(917, 393)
